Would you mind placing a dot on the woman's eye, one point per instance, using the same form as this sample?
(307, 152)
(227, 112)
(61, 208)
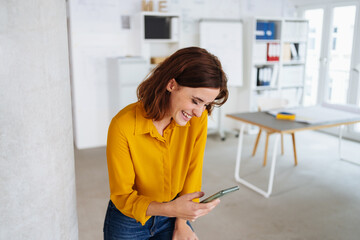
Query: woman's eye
(195, 102)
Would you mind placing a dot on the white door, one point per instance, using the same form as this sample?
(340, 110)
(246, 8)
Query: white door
(333, 57)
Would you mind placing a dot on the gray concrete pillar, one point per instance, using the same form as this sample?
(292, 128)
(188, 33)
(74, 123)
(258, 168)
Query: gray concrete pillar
(37, 177)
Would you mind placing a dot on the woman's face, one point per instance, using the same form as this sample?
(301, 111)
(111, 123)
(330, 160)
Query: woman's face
(187, 102)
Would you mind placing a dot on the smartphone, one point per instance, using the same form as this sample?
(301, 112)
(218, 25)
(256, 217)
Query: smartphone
(220, 194)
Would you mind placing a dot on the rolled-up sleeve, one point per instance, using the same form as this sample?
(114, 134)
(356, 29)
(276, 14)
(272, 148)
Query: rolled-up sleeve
(122, 176)
(193, 178)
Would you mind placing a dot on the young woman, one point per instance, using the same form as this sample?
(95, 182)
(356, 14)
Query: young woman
(156, 147)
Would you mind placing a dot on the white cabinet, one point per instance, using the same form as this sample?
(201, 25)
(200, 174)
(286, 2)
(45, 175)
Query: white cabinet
(125, 74)
(275, 58)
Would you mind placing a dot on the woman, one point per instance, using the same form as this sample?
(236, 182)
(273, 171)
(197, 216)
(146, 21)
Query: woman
(156, 147)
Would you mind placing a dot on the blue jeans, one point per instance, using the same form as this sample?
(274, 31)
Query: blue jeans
(117, 226)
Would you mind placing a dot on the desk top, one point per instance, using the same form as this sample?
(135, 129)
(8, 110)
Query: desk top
(267, 121)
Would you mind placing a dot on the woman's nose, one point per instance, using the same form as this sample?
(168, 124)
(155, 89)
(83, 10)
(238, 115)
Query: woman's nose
(198, 111)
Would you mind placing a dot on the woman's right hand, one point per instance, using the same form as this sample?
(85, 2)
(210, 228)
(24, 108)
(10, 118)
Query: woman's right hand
(184, 207)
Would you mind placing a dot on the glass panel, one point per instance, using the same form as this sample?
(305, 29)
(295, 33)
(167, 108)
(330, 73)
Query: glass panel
(357, 128)
(340, 53)
(315, 17)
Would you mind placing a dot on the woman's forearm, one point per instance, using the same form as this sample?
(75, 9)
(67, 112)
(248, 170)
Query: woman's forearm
(180, 222)
(182, 207)
(159, 209)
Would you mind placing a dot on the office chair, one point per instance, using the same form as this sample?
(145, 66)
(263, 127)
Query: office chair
(265, 104)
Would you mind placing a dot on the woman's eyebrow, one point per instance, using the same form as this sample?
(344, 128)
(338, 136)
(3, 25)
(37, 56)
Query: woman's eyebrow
(199, 99)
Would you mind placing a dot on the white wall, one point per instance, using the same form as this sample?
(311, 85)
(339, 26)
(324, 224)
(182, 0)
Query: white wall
(312, 2)
(37, 177)
(97, 34)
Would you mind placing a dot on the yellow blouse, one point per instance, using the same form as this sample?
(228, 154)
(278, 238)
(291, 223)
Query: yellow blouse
(145, 166)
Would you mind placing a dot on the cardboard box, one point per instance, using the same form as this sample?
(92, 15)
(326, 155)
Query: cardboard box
(157, 60)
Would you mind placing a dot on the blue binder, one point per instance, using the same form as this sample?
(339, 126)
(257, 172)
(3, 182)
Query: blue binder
(270, 32)
(265, 30)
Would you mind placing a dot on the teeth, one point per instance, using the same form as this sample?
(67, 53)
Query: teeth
(186, 115)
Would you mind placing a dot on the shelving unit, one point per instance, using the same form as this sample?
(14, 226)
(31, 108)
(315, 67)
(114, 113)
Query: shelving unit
(276, 53)
(159, 34)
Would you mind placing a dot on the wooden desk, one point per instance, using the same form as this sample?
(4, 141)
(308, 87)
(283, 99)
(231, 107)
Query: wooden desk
(267, 121)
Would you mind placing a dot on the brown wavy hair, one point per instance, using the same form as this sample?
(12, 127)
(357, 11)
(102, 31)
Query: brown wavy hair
(191, 67)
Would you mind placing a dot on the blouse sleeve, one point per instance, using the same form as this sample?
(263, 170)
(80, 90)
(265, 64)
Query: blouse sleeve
(194, 175)
(122, 176)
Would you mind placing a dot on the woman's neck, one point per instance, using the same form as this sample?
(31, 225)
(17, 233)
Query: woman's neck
(160, 125)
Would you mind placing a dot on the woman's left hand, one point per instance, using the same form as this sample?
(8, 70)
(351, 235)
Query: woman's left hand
(182, 231)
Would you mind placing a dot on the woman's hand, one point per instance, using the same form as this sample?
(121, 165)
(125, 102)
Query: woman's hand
(182, 231)
(183, 207)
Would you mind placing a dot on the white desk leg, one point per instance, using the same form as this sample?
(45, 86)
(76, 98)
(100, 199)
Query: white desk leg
(341, 129)
(220, 126)
(272, 170)
(238, 154)
(273, 163)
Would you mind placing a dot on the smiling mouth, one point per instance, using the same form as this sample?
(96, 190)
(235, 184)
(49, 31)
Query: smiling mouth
(186, 115)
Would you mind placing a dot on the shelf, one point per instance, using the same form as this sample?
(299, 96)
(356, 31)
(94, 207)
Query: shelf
(295, 41)
(294, 62)
(159, 33)
(264, 88)
(295, 86)
(160, 27)
(267, 40)
(161, 14)
(288, 40)
(160, 41)
(267, 63)
(295, 31)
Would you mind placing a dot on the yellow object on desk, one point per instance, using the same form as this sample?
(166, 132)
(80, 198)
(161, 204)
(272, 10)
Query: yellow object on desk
(285, 116)
(157, 60)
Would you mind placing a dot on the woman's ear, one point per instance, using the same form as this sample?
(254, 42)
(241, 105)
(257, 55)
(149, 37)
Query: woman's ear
(172, 85)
